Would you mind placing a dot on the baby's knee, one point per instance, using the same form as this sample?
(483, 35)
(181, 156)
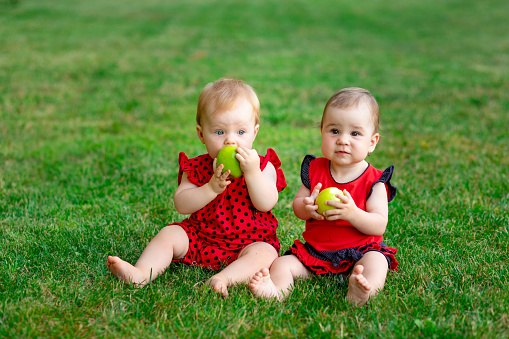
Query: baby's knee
(175, 232)
(262, 248)
(283, 261)
(175, 237)
(269, 250)
(289, 263)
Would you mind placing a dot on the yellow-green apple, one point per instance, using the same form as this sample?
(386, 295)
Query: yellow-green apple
(327, 194)
(226, 157)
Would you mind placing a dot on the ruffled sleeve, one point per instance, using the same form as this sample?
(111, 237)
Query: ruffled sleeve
(274, 160)
(304, 170)
(197, 169)
(386, 179)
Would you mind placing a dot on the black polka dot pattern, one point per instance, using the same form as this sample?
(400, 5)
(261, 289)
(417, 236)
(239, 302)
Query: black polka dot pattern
(220, 230)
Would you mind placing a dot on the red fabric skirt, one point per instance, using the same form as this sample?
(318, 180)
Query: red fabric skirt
(340, 261)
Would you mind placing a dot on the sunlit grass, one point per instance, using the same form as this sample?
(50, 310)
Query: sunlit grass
(98, 97)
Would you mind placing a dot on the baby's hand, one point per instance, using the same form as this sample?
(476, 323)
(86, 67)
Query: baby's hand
(219, 180)
(344, 209)
(309, 203)
(249, 160)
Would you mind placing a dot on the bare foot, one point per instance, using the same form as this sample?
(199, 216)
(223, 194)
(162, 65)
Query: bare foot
(263, 287)
(359, 289)
(126, 272)
(219, 285)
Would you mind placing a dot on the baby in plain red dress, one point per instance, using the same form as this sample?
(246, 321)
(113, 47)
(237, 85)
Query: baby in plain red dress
(347, 240)
(230, 224)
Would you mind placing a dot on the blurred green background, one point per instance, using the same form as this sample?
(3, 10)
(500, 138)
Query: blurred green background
(98, 97)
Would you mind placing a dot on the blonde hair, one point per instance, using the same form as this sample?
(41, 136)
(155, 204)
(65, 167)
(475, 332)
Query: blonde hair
(348, 98)
(223, 94)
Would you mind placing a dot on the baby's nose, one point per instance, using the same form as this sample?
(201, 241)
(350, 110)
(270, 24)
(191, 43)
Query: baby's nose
(342, 140)
(229, 141)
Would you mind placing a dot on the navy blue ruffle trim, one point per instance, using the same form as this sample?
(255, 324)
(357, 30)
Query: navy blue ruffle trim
(304, 170)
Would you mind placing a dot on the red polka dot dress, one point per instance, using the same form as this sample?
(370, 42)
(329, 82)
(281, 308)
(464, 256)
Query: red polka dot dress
(220, 230)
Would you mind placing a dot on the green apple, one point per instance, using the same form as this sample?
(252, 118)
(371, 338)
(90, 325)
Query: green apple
(227, 157)
(327, 194)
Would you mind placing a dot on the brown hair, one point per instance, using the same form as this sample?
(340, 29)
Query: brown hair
(223, 94)
(348, 98)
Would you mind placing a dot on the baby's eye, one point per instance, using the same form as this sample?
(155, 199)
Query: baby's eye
(219, 132)
(241, 132)
(334, 131)
(355, 134)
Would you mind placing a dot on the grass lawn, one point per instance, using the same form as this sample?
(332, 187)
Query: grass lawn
(98, 97)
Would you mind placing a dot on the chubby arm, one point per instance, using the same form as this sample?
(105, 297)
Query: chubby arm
(373, 221)
(304, 203)
(261, 185)
(190, 198)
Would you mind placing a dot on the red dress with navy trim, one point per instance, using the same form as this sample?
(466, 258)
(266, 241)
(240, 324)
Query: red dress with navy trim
(230, 222)
(338, 237)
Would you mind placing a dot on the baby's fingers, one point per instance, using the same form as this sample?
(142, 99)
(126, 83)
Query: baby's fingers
(347, 195)
(333, 217)
(317, 216)
(222, 176)
(316, 191)
(313, 213)
(224, 183)
(217, 169)
(309, 201)
(344, 199)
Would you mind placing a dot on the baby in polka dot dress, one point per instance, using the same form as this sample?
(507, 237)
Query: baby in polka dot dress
(231, 226)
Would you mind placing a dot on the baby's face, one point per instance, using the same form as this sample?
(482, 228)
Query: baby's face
(235, 127)
(348, 135)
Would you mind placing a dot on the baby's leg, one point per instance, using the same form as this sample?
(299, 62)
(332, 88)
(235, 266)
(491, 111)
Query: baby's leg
(170, 243)
(367, 278)
(251, 259)
(277, 282)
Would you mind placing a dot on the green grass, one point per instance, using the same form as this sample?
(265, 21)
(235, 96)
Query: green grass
(98, 97)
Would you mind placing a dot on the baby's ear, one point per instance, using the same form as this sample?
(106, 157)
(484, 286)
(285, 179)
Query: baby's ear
(374, 142)
(257, 127)
(199, 131)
